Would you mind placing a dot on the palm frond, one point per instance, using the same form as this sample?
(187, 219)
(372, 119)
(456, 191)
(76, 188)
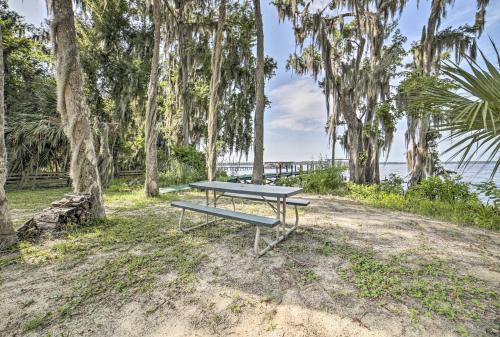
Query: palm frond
(472, 112)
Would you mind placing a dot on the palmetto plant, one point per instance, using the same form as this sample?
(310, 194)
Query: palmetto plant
(472, 110)
(36, 142)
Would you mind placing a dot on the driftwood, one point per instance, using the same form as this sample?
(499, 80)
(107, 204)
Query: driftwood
(72, 209)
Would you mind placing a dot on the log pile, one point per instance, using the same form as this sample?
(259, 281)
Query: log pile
(72, 209)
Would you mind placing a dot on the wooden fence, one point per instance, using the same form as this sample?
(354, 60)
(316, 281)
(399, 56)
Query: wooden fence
(237, 170)
(51, 179)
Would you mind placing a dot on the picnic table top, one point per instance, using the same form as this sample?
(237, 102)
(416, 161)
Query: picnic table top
(263, 190)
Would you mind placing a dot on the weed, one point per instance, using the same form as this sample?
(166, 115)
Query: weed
(36, 321)
(308, 277)
(430, 280)
(463, 331)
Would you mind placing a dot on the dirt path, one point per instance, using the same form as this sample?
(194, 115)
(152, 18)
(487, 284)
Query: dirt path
(351, 270)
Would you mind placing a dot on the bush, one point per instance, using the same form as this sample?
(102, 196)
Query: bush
(444, 189)
(324, 181)
(490, 190)
(393, 184)
(221, 175)
(448, 199)
(190, 157)
(185, 165)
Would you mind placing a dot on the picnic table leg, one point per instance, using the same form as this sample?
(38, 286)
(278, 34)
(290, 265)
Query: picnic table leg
(278, 216)
(180, 219)
(256, 243)
(206, 193)
(284, 215)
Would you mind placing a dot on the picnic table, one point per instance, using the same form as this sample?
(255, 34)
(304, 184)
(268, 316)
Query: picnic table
(277, 197)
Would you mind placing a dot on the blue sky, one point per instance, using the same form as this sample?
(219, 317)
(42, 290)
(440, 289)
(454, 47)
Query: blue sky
(295, 121)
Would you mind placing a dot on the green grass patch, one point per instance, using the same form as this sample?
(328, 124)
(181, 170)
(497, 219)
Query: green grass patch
(448, 199)
(36, 199)
(430, 281)
(129, 251)
(36, 322)
(467, 211)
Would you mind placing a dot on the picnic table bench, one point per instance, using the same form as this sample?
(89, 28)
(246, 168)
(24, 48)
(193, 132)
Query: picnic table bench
(274, 196)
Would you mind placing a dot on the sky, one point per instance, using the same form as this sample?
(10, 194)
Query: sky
(295, 121)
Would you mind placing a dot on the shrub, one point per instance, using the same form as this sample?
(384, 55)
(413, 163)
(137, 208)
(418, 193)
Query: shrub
(446, 199)
(185, 165)
(221, 175)
(324, 181)
(189, 156)
(293, 181)
(393, 184)
(490, 190)
(444, 189)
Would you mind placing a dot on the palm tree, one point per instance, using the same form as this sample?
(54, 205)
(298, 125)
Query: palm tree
(472, 109)
(7, 233)
(214, 94)
(258, 150)
(151, 187)
(426, 56)
(72, 105)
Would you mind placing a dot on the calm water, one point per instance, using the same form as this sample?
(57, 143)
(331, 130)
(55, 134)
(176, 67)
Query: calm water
(475, 173)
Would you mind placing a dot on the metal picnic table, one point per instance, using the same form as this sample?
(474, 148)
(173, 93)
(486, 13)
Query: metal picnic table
(274, 196)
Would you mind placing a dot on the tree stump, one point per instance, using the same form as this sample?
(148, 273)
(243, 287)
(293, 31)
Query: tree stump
(72, 209)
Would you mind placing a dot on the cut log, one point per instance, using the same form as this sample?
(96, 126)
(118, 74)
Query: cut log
(72, 209)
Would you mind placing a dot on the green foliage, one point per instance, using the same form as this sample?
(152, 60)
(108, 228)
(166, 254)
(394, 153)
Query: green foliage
(429, 281)
(446, 199)
(472, 112)
(184, 165)
(411, 98)
(323, 181)
(36, 322)
(443, 189)
(189, 156)
(490, 190)
(392, 184)
(34, 137)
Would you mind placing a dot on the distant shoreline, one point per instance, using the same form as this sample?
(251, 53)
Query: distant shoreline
(343, 159)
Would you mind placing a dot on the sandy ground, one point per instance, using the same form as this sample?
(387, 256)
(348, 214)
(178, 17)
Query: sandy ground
(235, 294)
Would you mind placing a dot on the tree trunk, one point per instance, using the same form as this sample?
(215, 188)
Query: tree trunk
(357, 155)
(214, 94)
(184, 78)
(106, 168)
(418, 151)
(258, 161)
(7, 233)
(72, 105)
(151, 187)
(417, 148)
(334, 142)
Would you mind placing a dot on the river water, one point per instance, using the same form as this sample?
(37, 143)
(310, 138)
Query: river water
(475, 172)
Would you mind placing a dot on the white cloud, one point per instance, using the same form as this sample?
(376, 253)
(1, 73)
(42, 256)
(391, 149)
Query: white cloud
(298, 106)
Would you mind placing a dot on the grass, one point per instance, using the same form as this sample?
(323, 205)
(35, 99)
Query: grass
(428, 280)
(128, 250)
(25, 203)
(447, 199)
(36, 322)
(466, 212)
(126, 254)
